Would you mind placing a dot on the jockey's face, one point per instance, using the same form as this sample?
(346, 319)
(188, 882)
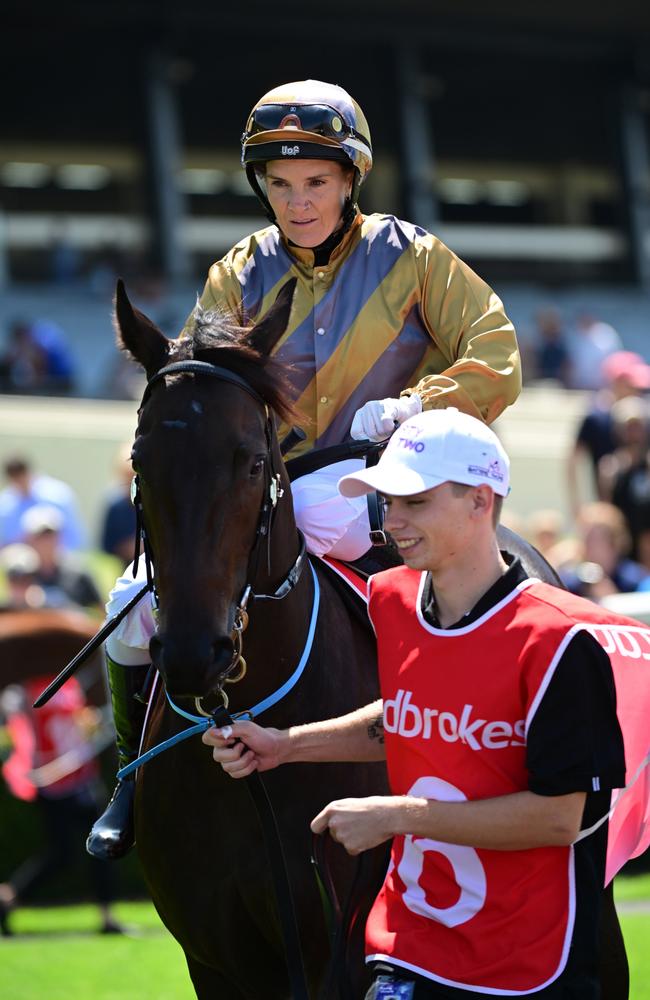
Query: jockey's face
(307, 197)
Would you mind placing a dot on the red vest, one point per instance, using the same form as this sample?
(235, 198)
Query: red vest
(43, 736)
(457, 706)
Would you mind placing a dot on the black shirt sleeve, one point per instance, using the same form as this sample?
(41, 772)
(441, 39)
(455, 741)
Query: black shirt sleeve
(575, 742)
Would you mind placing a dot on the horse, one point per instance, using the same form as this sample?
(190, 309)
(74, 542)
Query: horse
(216, 504)
(36, 642)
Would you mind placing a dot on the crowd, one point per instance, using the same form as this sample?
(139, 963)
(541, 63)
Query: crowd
(569, 354)
(50, 756)
(38, 358)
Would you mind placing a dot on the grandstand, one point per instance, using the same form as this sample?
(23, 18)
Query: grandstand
(521, 135)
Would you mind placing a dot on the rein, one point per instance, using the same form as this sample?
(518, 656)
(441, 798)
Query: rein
(207, 721)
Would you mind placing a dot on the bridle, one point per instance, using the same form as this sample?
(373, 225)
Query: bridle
(273, 492)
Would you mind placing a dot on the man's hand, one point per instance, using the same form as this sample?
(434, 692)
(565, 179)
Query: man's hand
(359, 824)
(245, 747)
(377, 419)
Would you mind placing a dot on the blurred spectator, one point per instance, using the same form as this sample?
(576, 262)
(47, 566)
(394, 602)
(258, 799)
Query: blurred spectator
(630, 484)
(591, 343)
(20, 565)
(61, 575)
(21, 362)
(58, 365)
(550, 352)
(118, 520)
(544, 530)
(37, 359)
(600, 565)
(631, 427)
(53, 765)
(25, 489)
(65, 261)
(626, 374)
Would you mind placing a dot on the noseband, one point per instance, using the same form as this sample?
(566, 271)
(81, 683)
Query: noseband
(272, 493)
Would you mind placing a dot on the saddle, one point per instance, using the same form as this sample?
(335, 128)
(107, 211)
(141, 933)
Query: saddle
(350, 579)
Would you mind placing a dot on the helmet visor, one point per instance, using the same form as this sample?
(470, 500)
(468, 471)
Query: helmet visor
(319, 119)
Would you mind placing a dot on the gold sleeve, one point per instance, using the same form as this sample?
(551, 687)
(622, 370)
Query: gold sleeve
(479, 363)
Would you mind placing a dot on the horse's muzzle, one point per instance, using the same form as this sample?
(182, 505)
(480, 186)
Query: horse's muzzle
(191, 666)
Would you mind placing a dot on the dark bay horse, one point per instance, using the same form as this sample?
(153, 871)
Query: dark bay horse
(216, 503)
(208, 465)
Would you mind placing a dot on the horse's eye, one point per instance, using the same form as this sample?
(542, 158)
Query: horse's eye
(257, 467)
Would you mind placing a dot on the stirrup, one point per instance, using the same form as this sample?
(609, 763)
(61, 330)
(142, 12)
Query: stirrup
(113, 834)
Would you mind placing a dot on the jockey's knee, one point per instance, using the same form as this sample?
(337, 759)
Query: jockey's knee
(136, 629)
(332, 524)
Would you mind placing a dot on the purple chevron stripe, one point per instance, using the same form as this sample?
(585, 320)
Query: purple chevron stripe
(358, 278)
(387, 377)
(268, 265)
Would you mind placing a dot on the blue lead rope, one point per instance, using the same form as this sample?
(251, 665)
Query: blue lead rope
(201, 723)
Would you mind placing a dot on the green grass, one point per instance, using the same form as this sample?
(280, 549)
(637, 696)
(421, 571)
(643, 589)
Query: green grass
(635, 890)
(57, 954)
(631, 887)
(636, 931)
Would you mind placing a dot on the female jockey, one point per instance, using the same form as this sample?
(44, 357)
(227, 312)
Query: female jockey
(385, 321)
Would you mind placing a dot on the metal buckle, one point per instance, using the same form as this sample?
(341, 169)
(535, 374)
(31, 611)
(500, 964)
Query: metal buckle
(275, 490)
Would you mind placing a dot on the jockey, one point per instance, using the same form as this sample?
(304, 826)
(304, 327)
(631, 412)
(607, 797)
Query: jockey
(386, 321)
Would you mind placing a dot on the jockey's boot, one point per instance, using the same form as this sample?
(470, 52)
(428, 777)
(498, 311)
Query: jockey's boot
(113, 834)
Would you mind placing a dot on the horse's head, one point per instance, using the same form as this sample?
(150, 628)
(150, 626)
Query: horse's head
(206, 457)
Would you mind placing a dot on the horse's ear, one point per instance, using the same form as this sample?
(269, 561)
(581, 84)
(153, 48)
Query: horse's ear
(138, 335)
(265, 334)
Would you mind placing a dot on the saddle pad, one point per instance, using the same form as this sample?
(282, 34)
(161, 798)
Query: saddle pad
(355, 580)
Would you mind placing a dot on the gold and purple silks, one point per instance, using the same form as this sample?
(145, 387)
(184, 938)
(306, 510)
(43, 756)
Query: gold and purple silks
(393, 310)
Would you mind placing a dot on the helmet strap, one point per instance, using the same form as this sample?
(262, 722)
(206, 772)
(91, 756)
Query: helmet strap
(259, 191)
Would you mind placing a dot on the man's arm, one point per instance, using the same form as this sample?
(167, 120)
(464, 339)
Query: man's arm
(514, 822)
(245, 747)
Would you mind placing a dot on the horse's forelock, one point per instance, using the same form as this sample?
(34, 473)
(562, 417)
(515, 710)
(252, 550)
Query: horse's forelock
(214, 336)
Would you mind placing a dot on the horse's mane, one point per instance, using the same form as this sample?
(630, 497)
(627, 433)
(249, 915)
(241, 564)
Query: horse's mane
(214, 336)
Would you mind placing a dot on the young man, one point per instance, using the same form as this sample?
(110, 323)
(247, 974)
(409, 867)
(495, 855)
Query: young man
(498, 724)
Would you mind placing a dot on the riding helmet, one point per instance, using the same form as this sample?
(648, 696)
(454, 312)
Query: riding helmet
(307, 119)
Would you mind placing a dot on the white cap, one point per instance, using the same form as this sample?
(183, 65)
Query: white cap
(41, 517)
(431, 448)
(19, 560)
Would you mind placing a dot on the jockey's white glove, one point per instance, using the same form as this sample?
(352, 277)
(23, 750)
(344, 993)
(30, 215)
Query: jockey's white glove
(377, 419)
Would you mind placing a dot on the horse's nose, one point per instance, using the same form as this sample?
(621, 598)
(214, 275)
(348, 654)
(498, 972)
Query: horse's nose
(191, 665)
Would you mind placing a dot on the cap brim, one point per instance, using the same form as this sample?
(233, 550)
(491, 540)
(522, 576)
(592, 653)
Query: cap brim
(395, 481)
(290, 135)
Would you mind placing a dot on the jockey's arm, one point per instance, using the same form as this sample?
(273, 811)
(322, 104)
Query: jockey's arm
(480, 367)
(245, 747)
(477, 368)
